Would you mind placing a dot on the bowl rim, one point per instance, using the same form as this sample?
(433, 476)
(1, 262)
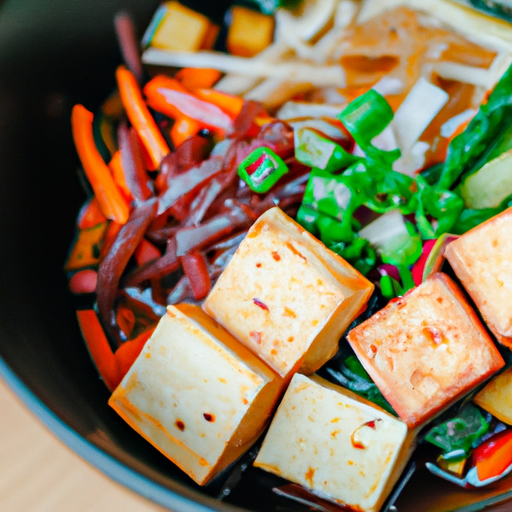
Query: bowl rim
(107, 464)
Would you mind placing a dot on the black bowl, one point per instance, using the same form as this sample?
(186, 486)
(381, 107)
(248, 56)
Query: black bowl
(53, 54)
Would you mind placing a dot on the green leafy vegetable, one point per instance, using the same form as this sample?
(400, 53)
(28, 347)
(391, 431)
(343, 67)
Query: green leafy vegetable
(316, 151)
(470, 149)
(457, 435)
(354, 377)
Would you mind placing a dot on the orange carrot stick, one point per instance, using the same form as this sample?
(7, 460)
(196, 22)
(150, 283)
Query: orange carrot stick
(183, 128)
(168, 96)
(229, 103)
(130, 350)
(195, 78)
(116, 166)
(99, 347)
(140, 117)
(109, 197)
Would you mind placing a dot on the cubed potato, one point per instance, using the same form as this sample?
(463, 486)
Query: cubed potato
(249, 33)
(183, 29)
(496, 397)
(197, 394)
(426, 349)
(286, 296)
(336, 444)
(482, 260)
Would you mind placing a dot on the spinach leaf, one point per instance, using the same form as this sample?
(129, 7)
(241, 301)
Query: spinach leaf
(466, 150)
(457, 435)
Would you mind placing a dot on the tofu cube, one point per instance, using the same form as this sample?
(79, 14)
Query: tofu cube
(182, 29)
(426, 349)
(250, 32)
(197, 394)
(336, 444)
(482, 260)
(286, 296)
(496, 397)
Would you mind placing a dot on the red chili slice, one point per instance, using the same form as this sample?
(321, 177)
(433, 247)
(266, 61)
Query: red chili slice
(195, 266)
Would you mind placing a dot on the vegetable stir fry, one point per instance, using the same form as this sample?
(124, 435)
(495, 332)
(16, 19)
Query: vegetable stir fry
(322, 204)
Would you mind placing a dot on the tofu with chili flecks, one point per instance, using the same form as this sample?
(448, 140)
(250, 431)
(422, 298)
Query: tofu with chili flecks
(197, 394)
(336, 444)
(286, 296)
(426, 349)
(482, 260)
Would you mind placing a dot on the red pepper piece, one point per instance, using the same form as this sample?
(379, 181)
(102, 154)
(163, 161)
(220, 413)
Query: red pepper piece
(163, 266)
(90, 215)
(99, 347)
(195, 266)
(83, 281)
(417, 269)
(113, 264)
(146, 252)
(493, 456)
(129, 351)
(260, 304)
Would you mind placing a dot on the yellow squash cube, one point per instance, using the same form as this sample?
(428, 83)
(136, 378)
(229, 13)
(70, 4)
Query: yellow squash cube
(182, 29)
(496, 397)
(250, 32)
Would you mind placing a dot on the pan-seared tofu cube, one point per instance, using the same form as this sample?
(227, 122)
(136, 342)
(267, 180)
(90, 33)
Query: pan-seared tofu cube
(426, 349)
(197, 394)
(482, 260)
(286, 296)
(496, 397)
(336, 444)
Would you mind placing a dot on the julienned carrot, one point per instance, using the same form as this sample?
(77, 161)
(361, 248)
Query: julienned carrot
(229, 103)
(140, 117)
(184, 128)
(111, 201)
(99, 347)
(168, 96)
(195, 78)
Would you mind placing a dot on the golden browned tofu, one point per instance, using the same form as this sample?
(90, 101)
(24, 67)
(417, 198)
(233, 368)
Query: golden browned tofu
(482, 260)
(426, 349)
(197, 394)
(286, 296)
(336, 444)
